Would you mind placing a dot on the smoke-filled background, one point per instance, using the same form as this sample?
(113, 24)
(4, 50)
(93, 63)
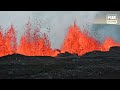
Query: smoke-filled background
(56, 23)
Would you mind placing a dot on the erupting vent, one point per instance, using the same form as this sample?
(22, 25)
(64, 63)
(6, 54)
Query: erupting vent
(35, 43)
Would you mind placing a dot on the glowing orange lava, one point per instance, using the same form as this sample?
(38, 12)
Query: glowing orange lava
(8, 42)
(108, 42)
(80, 43)
(35, 43)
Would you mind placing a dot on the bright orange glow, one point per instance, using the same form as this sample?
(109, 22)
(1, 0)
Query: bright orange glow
(35, 43)
(78, 42)
(108, 42)
(8, 42)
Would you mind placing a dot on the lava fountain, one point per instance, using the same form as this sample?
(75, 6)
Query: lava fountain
(78, 42)
(8, 42)
(35, 43)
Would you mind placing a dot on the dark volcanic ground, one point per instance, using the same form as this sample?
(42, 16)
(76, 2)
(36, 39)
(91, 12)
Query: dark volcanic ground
(93, 65)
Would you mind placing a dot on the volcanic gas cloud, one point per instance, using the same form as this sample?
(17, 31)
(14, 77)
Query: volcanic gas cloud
(35, 43)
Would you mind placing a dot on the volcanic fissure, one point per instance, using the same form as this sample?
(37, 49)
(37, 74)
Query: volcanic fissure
(35, 43)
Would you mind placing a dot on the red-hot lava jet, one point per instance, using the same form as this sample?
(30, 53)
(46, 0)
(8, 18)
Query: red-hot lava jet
(35, 43)
(8, 42)
(78, 42)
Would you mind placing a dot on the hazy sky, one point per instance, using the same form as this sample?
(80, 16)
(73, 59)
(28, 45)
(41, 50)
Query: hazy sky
(101, 16)
(57, 21)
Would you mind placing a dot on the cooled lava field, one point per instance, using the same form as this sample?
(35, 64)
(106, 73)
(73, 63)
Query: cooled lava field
(92, 65)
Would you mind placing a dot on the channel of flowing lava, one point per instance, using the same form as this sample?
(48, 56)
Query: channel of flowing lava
(35, 43)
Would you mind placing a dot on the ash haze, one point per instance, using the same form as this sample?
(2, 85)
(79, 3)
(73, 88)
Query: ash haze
(104, 30)
(56, 21)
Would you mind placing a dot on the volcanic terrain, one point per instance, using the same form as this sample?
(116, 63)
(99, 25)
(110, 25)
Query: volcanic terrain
(92, 65)
(80, 56)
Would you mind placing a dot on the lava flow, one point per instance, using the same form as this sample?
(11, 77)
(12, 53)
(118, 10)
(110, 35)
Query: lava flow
(35, 43)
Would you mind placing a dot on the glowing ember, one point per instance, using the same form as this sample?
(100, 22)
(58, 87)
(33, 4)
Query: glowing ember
(35, 43)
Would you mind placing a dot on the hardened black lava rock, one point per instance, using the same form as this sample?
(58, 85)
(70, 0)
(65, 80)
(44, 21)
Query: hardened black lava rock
(92, 65)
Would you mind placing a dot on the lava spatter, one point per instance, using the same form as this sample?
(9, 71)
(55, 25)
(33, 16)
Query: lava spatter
(36, 43)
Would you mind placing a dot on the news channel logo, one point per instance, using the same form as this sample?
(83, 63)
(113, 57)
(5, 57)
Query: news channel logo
(111, 19)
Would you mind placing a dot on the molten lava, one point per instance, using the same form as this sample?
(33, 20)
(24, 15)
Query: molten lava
(35, 43)
(8, 42)
(78, 42)
(108, 42)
